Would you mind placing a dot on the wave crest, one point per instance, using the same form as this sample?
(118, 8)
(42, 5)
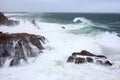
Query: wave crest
(81, 19)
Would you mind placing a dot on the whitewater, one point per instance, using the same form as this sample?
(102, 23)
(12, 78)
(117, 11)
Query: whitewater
(61, 43)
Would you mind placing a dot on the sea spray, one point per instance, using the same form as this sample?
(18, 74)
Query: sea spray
(52, 64)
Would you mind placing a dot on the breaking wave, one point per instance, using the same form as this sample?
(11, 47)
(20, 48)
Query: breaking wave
(51, 65)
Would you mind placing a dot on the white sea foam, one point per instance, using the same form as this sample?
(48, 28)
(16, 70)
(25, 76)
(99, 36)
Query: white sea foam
(81, 19)
(52, 65)
(83, 22)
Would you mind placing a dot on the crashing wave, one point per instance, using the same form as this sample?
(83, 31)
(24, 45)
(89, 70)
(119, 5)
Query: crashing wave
(81, 19)
(19, 46)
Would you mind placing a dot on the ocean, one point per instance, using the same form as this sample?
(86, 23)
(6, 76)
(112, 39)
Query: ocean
(93, 21)
(98, 33)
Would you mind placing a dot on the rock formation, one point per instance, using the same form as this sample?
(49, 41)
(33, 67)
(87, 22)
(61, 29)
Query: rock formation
(19, 46)
(4, 21)
(87, 57)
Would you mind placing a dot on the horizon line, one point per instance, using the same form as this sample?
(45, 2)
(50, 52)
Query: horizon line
(57, 12)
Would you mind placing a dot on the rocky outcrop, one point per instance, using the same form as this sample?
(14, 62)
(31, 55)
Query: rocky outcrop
(4, 21)
(19, 46)
(87, 57)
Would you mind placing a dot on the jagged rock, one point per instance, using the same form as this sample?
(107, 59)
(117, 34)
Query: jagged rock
(85, 56)
(19, 46)
(4, 21)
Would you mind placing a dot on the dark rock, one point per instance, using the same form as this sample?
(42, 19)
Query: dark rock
(63, 27)
(2, 61)
(0, 32)
(89, 59)
(108, 63)
(36, 42)
(42, 38)
(79, 60)
(86, 53)
(83, 53)
(4, 54)
(14, 62)
(4, 21)
(33, 22)
(75, 54)
(20, 46)
(101, 56)
(70, 59)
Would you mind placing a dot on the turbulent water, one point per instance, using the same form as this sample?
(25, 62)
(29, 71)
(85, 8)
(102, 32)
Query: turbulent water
(67, 33)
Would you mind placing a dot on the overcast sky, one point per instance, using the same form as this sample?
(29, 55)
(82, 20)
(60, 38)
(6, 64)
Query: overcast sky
(60, 5)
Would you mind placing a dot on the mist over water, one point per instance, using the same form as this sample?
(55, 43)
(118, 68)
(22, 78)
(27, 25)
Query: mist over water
(96, 33)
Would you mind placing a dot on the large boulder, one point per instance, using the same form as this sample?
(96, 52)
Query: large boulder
(4, 21)
(19, 46)
(87, 57)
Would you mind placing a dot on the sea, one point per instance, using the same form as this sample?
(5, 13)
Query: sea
(98, 33)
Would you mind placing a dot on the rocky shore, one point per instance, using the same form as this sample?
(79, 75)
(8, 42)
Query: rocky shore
(5, 21)
(19, 46)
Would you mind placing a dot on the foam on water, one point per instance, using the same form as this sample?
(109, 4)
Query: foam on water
(81, 19)
(52, 65)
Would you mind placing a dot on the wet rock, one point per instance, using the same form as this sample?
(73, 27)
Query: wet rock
(105, 63)
(79, 60)
(70, 59)
(19, 46)
(34, 22)
(4, 54)
(63, 27)
(82, 53)
(86, 53)
(108, 63)
(0, 32)
(36, 42)
(14, 62)
(75, 54)
(87, 57)
(101, 56)
(4, 21)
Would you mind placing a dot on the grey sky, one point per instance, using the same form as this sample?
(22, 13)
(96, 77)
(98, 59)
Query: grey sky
(61, 5)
